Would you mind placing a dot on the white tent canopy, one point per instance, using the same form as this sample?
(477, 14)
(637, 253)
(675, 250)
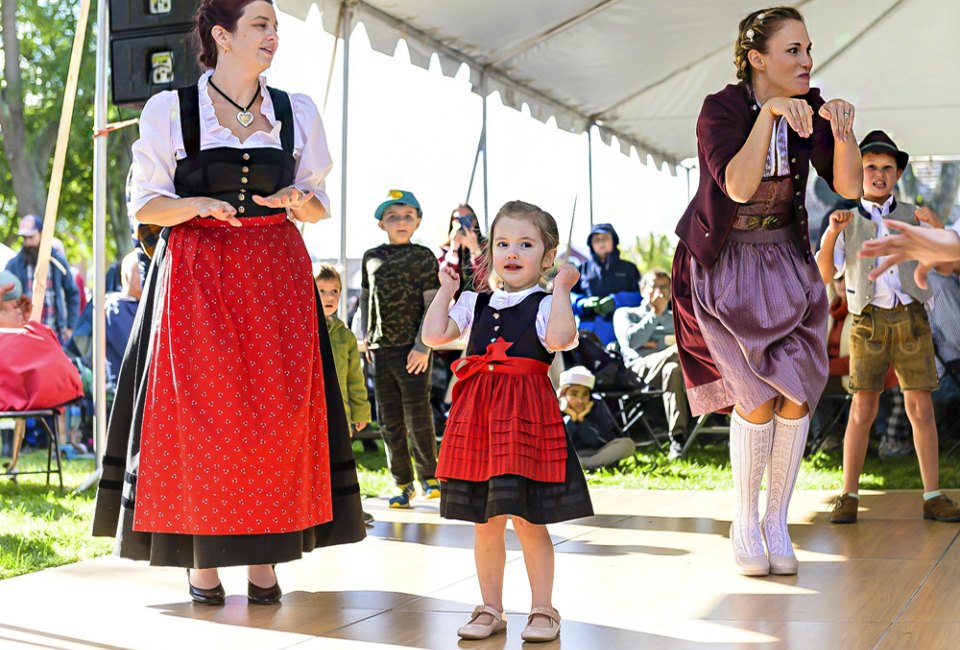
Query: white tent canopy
(640, 69)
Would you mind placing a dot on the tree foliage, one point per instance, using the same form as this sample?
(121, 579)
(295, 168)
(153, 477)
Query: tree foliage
(653, 252)
(31, 96)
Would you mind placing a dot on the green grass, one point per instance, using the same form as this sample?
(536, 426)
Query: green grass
(708, 468)
(42, 527)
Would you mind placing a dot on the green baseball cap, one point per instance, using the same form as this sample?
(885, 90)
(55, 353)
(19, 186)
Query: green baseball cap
(401, 197)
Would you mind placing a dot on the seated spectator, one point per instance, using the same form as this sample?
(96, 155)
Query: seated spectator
(35, 373)
(62, 298)
(606, 283)
(120, 312)
(945, 325)
(463, 251)
(14, 312)
(642, 333)
(589, 423)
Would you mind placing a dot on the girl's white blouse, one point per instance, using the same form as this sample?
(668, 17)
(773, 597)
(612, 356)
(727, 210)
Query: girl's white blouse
(462, 311)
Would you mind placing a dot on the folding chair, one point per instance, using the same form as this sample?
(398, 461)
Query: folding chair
(837, 405)
(53, 442)
(702, 427)
(631, 412)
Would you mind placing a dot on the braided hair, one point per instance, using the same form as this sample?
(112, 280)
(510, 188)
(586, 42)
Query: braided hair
(755, 30)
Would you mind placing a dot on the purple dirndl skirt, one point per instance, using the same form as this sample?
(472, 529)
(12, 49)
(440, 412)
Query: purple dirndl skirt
(762, 310)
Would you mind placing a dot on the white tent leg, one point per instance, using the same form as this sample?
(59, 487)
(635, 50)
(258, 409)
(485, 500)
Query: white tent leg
(100, 234)
(347, 18)
(590, 169)
(483, 139)
(99, 245)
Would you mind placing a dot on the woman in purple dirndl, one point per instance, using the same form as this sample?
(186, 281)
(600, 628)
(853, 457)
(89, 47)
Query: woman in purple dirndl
(750, 308)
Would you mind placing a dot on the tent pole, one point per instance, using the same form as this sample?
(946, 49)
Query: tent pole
(42, 268)
(590, 168)
(473, 170)
(99, 232)
(483, 141)
(347, 10)
(99, 246)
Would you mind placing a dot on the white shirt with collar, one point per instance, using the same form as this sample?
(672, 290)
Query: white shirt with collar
(462, 311)
(888, 291)
(160, 146)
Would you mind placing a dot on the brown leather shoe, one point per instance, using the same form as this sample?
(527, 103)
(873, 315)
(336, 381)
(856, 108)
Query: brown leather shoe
(845, 510)
(481, 630)
(941, 508)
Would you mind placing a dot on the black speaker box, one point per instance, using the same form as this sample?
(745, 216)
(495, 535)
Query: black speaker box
(150, 48)
(141, 15)
(144, 65)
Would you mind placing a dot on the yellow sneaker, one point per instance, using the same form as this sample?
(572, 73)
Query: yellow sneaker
(431, 488)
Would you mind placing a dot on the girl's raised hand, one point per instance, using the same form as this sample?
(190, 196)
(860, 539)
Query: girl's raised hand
(449, 278)
(566, 277)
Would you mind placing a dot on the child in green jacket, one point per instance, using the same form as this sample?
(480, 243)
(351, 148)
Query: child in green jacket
(345, 351)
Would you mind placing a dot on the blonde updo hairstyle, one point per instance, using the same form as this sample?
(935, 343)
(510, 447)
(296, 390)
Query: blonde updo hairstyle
(542, 220)
(755, 30)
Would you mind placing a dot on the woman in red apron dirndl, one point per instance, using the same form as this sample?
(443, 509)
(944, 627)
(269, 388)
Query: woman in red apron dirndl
(228, 444)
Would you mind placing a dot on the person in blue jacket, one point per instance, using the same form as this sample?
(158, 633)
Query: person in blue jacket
(606, 283)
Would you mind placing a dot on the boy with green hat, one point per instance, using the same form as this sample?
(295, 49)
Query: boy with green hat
(397, 284)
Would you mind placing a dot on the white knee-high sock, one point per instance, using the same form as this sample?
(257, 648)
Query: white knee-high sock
(749, 448)
(786, 452)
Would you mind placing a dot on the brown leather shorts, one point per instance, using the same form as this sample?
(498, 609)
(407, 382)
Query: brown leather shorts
(899, 336)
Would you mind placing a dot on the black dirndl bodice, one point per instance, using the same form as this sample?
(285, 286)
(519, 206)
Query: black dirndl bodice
(517, 324)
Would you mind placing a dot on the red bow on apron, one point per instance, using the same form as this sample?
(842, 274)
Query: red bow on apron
(496, 360)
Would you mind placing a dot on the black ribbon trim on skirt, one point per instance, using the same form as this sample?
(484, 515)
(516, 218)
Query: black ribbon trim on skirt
(343, 466)
(115, 461)
(106, 484)
(345, 490)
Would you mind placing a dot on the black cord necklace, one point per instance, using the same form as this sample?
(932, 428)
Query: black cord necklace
(245, 117)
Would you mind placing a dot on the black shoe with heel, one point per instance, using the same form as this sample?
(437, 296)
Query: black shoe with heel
(264, 595)
(215, 596)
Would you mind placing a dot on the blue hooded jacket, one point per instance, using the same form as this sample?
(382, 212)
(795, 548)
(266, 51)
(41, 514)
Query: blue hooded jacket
(610, 277)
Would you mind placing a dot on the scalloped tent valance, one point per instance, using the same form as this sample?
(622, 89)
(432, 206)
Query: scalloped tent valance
(640, 69)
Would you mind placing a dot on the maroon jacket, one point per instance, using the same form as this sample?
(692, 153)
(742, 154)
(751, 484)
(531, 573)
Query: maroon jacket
(722, 129)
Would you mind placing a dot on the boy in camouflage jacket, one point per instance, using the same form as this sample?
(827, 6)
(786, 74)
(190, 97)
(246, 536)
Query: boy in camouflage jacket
(398, 282)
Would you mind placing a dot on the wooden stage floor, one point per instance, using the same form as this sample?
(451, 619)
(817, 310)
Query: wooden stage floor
(650, 570)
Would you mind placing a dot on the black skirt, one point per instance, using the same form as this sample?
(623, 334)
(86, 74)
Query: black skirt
(116, 494)
(509, 494)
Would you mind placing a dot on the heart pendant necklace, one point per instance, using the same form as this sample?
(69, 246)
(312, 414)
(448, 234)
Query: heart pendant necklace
(244, 116)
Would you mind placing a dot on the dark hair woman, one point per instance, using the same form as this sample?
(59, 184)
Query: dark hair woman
(228, 444)
(749, 307)
(464, 249)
